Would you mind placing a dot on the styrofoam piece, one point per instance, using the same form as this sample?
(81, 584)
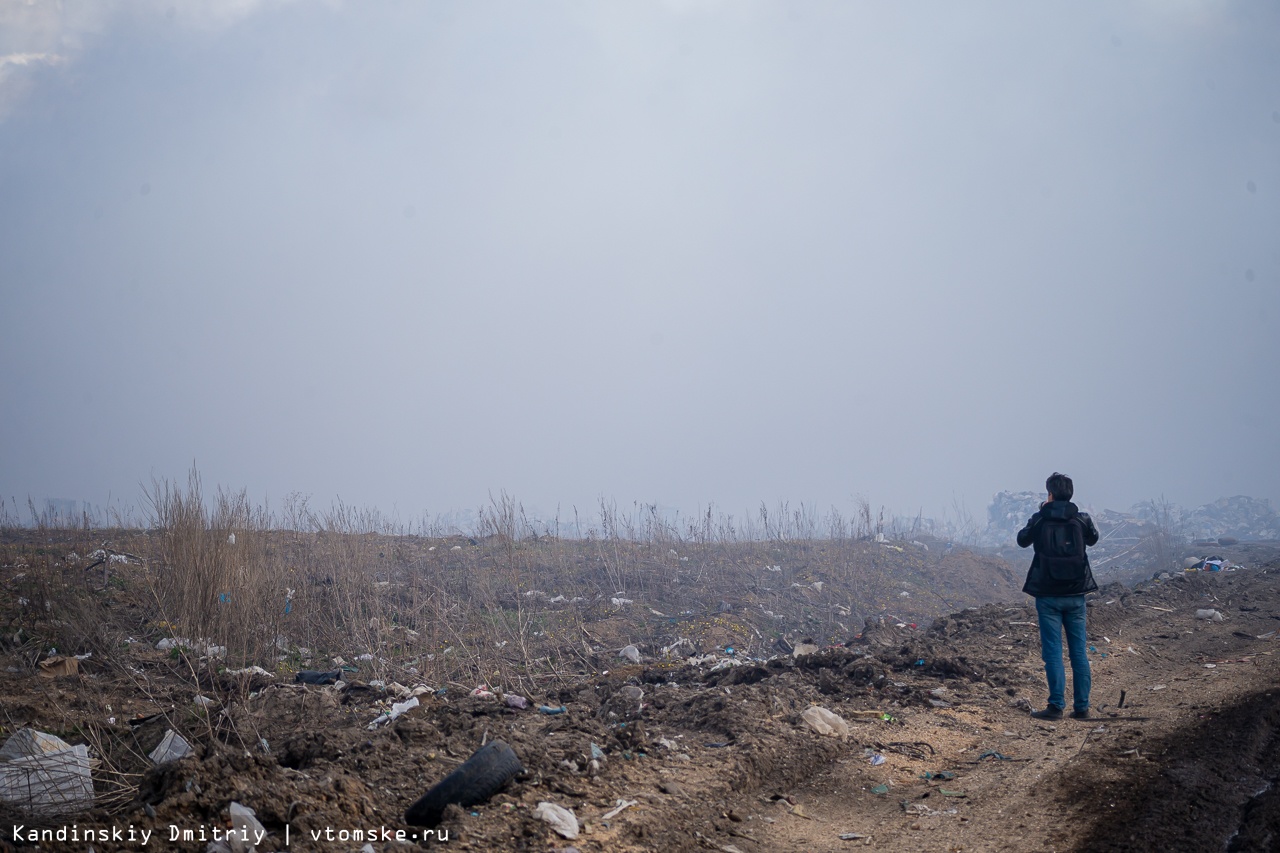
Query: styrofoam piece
(48, 783)
(28, 742)
(172, 748)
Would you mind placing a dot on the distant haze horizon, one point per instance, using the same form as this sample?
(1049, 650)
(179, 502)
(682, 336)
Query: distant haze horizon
(686, 252)
(587, 515)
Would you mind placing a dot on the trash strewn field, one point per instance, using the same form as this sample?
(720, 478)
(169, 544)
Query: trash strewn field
(751, 696)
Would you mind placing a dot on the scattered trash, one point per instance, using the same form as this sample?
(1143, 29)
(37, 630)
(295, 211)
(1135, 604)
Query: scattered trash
(880, 790)
(562, 820)
(937, 774)
(57, 665)
(171, 748)
(482, 691)
(251, 670)
(877, 759)
(853, 836)
(631, 653)
(1157, 687)
(631, 693)
(991, 753)
(914, 749)
(597, 754)
(397, 709)
(803, 649)
(1210, 614)
(1211, 666)
(201, 647)
(311, 676)
(515, 701)
(622, 806)
(474, 781)
(825, 722)
(246, 832)
(42, 775)
(204, 701)
(920, 808)
(621, 602)
(547, 709)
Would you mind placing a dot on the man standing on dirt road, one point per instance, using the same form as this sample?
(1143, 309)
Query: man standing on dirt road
(1059, 578)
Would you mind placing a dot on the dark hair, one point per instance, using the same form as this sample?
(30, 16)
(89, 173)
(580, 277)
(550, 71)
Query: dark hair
(1059, 485)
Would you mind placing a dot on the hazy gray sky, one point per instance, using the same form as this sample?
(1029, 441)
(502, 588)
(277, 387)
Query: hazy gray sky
(408, 254)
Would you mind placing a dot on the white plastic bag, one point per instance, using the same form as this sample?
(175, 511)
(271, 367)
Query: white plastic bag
(825, 722)
(562, 820)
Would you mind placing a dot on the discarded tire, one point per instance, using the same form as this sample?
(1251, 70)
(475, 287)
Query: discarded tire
(474, 781)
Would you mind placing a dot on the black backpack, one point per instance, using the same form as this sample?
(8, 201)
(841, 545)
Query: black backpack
(1060, 544)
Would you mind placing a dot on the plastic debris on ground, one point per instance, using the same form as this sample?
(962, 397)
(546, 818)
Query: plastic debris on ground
(825, 722)
(171, 748)
(1210, 614)
(397, 709)
(200, 647)
(514, 701)
(547, 709)
(622, 806)
(245, 835)
(631, 653)
(562, 820)
(631, 692)
(43, 775)
(881, 790)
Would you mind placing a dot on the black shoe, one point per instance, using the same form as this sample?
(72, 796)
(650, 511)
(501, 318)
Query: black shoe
(1080, 714)
(1052, 712)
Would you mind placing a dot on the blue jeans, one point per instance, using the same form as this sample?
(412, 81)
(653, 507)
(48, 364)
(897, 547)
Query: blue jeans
(1055, 613)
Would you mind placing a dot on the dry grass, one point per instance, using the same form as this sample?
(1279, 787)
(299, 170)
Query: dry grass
(511, 602)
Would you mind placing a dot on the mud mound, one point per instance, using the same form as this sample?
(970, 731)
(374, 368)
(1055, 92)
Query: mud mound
(1216, 787)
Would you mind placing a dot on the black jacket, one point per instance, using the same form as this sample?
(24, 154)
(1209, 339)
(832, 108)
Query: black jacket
(1038, 581)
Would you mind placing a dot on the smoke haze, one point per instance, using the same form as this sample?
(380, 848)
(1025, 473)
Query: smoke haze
(409, 255)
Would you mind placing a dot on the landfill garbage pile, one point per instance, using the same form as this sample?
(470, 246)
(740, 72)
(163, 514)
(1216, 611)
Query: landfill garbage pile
(1240, 517)
(1150, 536)
(1007, 514)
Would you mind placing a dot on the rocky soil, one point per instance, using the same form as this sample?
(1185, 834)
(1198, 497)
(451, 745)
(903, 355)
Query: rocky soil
(712, 753)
